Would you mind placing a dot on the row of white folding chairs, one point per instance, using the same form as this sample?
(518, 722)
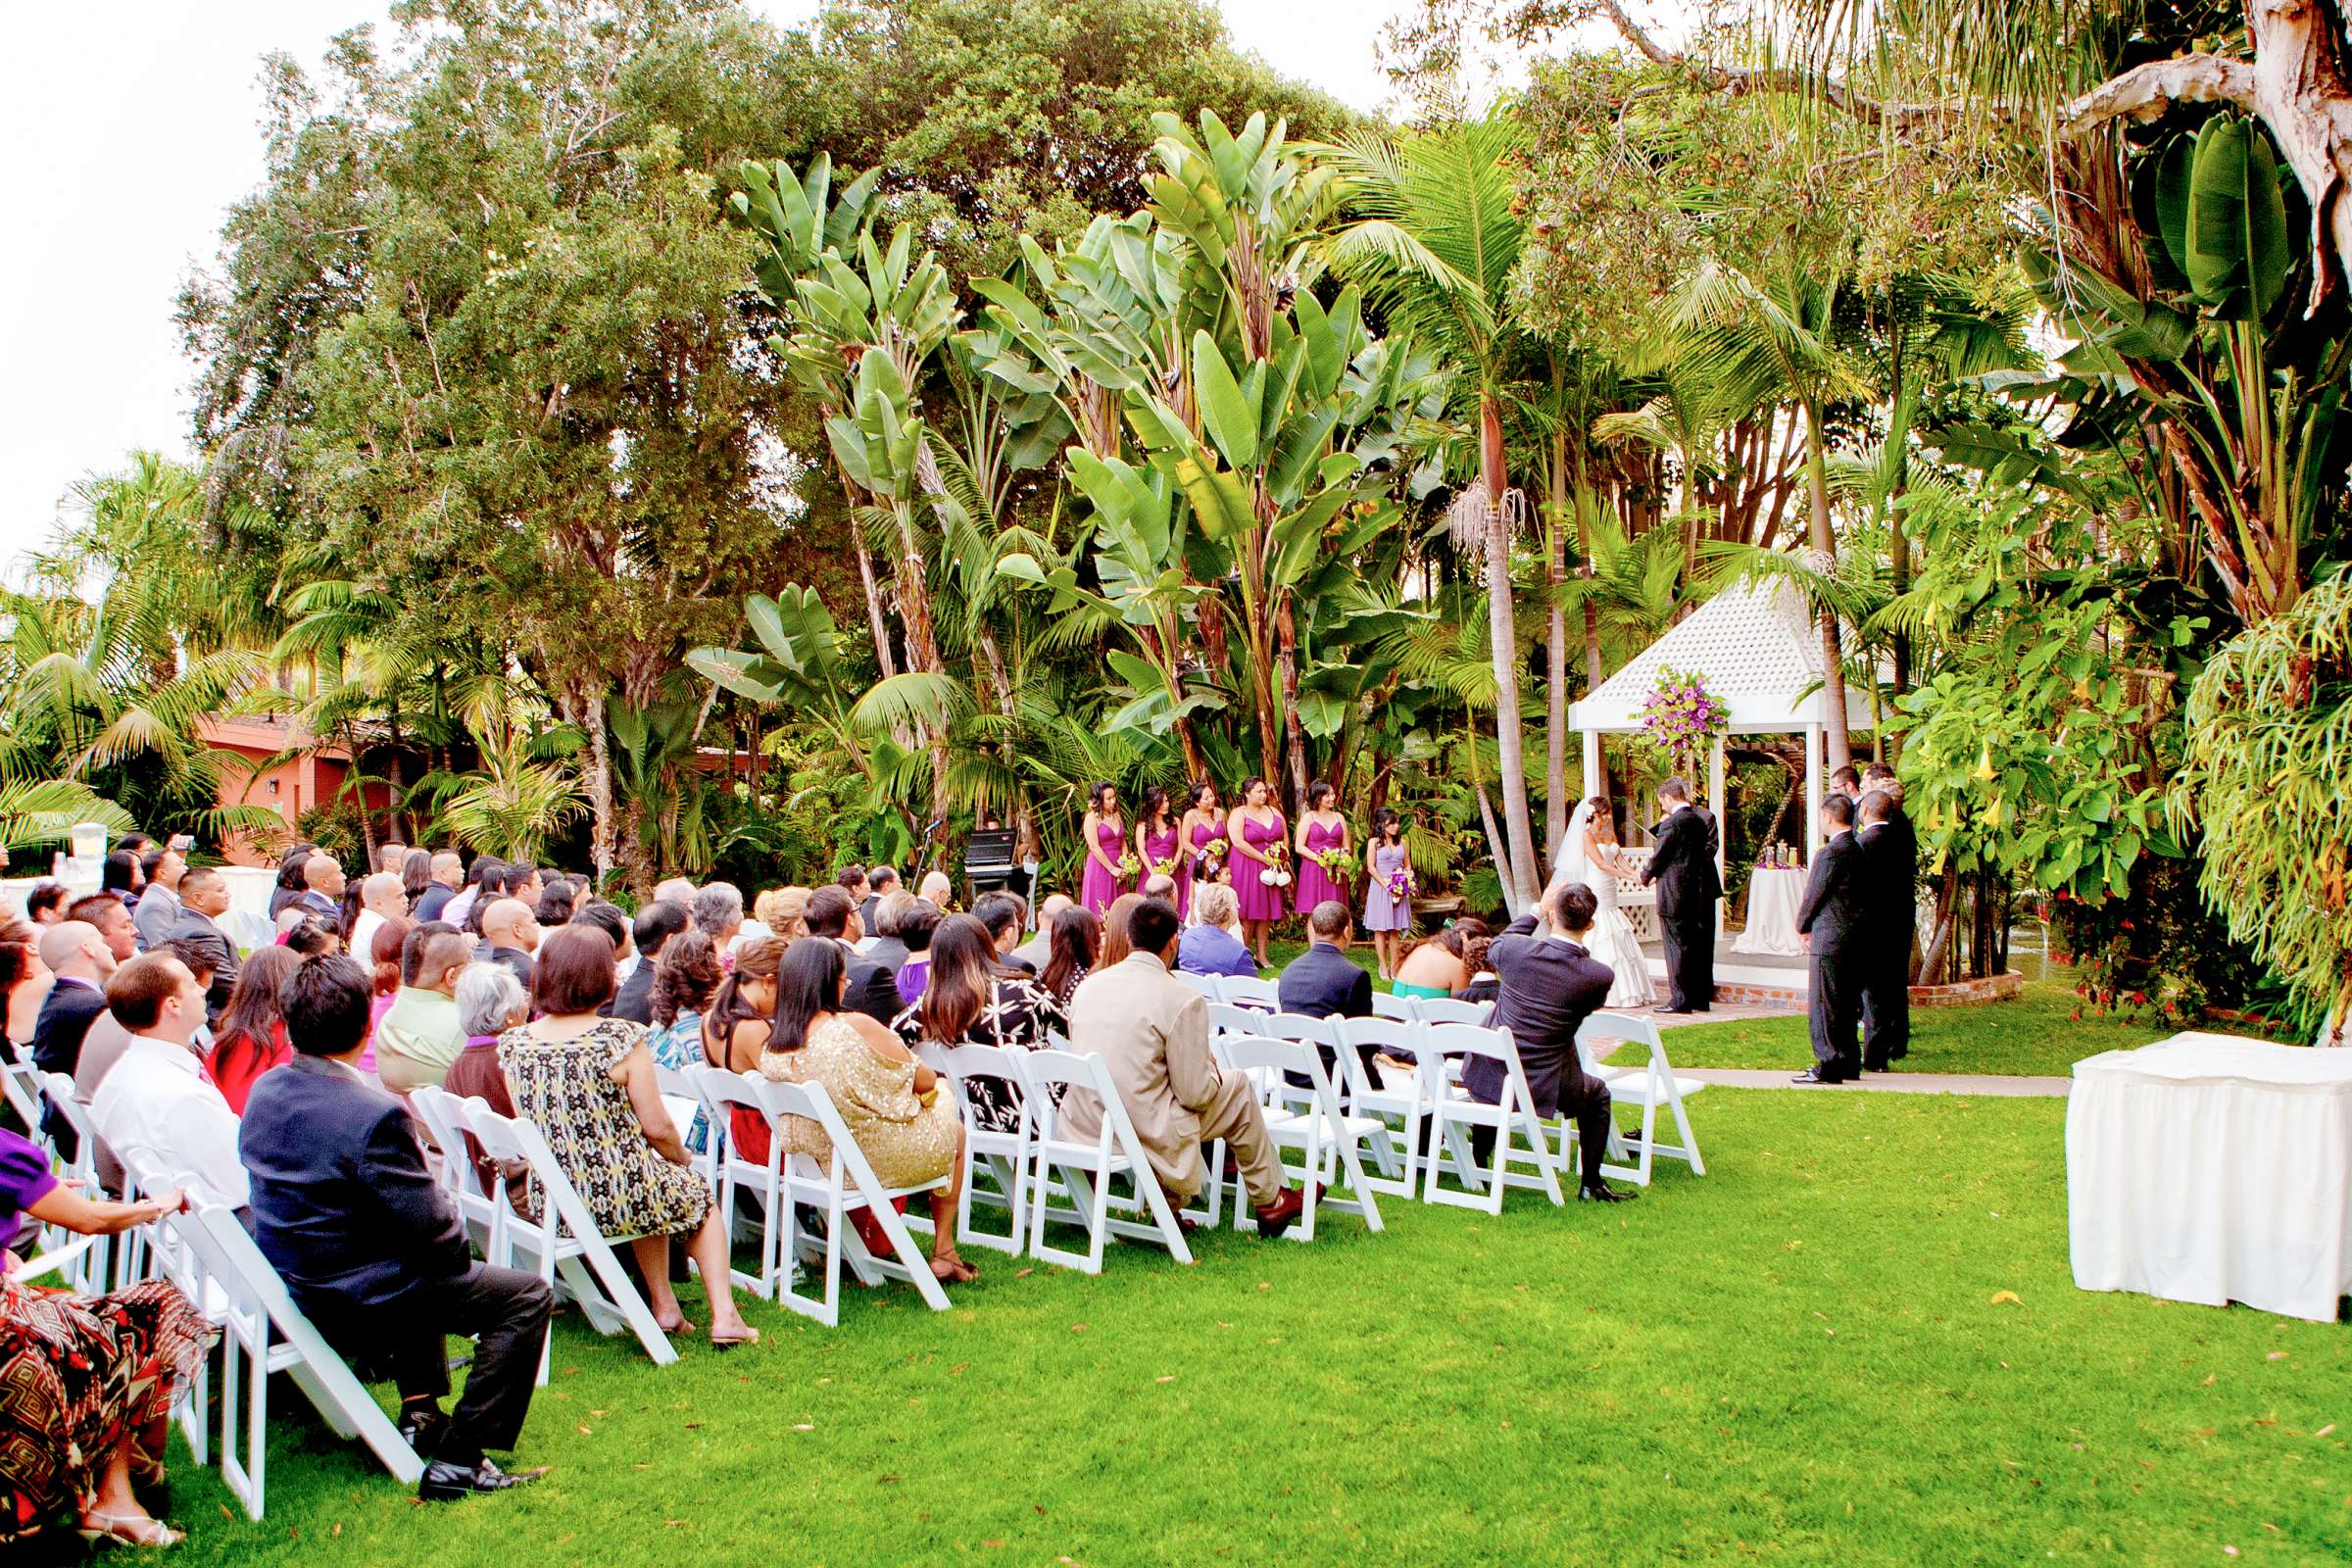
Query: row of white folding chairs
(1264, 995)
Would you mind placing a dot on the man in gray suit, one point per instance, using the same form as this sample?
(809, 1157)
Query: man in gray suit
(203, 899)
(159, 906)
(1151, 1030)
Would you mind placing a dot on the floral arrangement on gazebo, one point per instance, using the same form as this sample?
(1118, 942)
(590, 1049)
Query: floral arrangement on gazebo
(1683, 718)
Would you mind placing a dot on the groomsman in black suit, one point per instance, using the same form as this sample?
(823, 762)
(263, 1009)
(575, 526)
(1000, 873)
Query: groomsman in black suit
(1890, 856)
(1683, 865)
(1836, 918)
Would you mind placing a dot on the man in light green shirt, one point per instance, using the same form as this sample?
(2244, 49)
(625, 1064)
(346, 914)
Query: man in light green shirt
(420, 1035)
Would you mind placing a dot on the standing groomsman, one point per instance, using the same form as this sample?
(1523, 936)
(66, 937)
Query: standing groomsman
(1890, 856)
(1683, 865)
(1836, 918)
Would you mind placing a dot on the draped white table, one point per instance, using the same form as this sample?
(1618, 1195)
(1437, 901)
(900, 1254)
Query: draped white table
(2213, 1169)
(1774, 895)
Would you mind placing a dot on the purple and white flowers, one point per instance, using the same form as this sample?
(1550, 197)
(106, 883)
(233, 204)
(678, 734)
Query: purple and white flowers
(1683, 718)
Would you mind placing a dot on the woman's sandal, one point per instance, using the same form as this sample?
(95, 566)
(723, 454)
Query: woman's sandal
(958, 1271)
(127, 1530)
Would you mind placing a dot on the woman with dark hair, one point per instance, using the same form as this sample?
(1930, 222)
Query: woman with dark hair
(687, 974)
(916, 927)
(1203, 832)
(1322, 834)
(89, 1380)
(120, 875)
(1077, 942)
(290, 885)
(974, 999)
(313, 936)
(1387, 890)
(1115, 943)
(46, 904)
(250, 1037)
(417, 874)
(555, 905)
(1261, 872)
(1104, 835)
(383, 955)
(588, 1081)
(1434, 967)
(735, 1029)
(1485, 985)
(890, 1103)
(1159, 847)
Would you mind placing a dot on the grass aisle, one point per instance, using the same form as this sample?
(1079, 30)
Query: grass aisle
(1803, 1357)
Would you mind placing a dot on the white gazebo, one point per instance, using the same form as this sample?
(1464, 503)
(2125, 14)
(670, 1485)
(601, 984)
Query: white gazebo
(1758, 649)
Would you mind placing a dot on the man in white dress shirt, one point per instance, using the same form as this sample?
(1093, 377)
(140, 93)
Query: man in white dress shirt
(382, 897)
(154, 1108)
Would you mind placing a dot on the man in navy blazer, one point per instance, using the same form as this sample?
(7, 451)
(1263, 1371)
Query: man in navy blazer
(1323, 982)
(1549, 986)
(372, 1248)
(1843, 940)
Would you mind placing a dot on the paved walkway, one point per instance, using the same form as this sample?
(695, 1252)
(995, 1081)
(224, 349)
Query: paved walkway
(1884, 1083)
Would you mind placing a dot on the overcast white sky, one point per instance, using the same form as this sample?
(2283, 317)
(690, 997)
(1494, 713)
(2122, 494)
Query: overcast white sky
(131, 124)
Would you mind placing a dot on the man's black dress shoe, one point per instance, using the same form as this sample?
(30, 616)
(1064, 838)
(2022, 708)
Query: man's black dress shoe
(1814, 1075)
(1602, 1193)
(445, 1480)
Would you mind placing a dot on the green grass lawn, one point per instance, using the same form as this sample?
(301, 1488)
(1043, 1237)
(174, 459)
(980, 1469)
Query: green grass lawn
(1804, 1357)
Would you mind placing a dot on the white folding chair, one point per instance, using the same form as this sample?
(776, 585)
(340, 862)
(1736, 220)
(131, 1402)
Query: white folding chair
(1648, 1086)
(685, 1105)
(21, 1087)
(1451, 1109)
(262, 1325)
(1245, 991)
(444, 1117)
(564, 1240)
(1451, 1009)
(87, 1270)
(1394, 1149)
(1314, 1125)
(1231, 1018)
(1395, 1009)
(1004, 1155)
(1088, 1168)
(162, 1250)
(1206, 984)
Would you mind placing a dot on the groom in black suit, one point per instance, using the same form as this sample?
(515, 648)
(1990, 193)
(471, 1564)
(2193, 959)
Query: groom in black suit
(1683, 865)
(1838, 918)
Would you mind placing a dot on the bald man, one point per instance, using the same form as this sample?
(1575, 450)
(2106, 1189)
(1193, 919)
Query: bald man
(382, 897)
(322, 887)
(83, 962)
(509, 936)
(1038, 951)
(447, 876)
(676, 889)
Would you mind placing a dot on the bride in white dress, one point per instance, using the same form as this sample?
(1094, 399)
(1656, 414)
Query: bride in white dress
(1589, 856)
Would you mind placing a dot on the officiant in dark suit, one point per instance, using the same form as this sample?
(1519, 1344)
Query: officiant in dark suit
(1683, 866)
(1890, 854)
(1837, 920)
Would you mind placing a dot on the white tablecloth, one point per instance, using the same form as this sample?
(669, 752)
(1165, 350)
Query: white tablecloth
(1773, 899)
(2213, 1169)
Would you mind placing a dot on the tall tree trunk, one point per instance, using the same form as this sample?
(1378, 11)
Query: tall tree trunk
(1825, 560)
(1899, 549)
(394, 781)
(1519, 873)
(601, 830)
(1555, 664)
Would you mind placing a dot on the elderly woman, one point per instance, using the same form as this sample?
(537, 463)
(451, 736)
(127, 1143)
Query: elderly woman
(1213, 944)
(86, 1382)
(588, 1082)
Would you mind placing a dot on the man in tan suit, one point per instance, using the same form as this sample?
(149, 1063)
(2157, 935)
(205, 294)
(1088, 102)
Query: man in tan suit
(1152, 1032)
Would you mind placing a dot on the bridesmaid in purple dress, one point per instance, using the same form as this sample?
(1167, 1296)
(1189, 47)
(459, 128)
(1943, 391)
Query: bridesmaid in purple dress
(1322, 831)
(1104, 834)
(1160, 847)
(1207, 856)
(1260, 844)
(1386, 916)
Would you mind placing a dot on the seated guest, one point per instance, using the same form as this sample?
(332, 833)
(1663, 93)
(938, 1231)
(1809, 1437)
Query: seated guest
(890, 1103)
(489, 1002)
(1158, 887)
(45, 904)
(158, 909)
(1433, 966)
(118, 878)
(675, 890)
(1478, 956)
(154, 1109)
(103, 1046)
(718, 913)
(686, 976)
(322, 885)
(554, 906)
(588, 910)
(464, 907)
(82, 962)
(780, 909)
(90, 1379)
(288, 888)
(203, 901)
(373, 1251)
(1077, 949)
(937, 890)
(916, 929)
(1551, 985)
(382, 955)
(1116, 946)
(974, 999)
(1151, 1031)
(1323, 982)
(111, 917)
(588, 1082)
(1000, 914)
(655, 926)
(382, 897)
(1212, 944)
(419, 1037)
(873, 987)
(509, 935)
(251, 1037)
(880, 883)
(886, 949)
(736, 1026)
(312, 936)
(1038, 951)
(445, 874)
(520, 881)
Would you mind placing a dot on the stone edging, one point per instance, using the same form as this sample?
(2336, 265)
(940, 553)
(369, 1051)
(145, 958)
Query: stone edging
(1968, 993)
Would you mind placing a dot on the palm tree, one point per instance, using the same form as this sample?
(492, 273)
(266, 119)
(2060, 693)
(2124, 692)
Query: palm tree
(1436, 236)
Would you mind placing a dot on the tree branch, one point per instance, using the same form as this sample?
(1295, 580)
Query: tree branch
(2144, 92)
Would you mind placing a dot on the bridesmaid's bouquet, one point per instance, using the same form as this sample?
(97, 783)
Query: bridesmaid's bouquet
(1277, 872)
(1401, 884)
(1129, 866)
(1166, 867)
(1338, 864)
(1210, 861)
